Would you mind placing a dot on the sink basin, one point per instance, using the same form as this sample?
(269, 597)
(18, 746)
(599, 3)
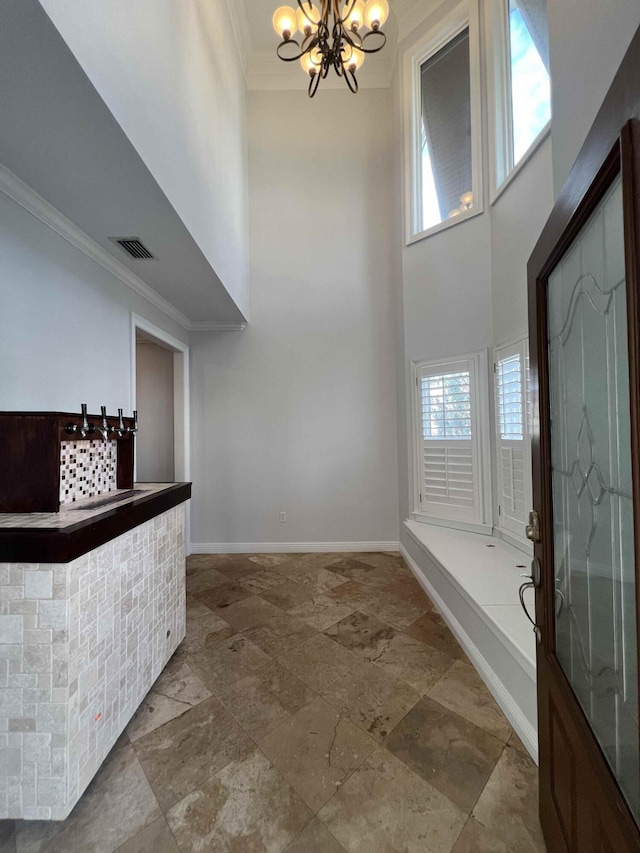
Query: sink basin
(109, 499)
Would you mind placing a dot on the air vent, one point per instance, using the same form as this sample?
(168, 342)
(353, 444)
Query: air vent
(133, 246)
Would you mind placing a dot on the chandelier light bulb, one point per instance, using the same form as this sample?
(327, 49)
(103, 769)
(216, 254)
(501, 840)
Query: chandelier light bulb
(376, 13)
(355, 18)
(307, 20)
(284, 22)
(308, 65)
(467, 199)
(355, 60)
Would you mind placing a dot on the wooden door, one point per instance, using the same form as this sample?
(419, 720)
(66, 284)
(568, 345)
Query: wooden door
(584, 325)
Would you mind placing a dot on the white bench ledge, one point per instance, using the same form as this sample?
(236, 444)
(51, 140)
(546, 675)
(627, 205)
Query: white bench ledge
(474, 580)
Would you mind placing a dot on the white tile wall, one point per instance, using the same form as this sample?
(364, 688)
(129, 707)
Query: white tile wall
(80, 646)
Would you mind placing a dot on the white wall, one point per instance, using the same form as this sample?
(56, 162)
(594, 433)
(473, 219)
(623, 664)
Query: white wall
(298, 412)
(170, 74)
(587, 41)
(154, 403)
(65, 322)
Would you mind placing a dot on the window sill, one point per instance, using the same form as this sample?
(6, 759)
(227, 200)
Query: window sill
(453, 523)
(443, 226)
(526, 157)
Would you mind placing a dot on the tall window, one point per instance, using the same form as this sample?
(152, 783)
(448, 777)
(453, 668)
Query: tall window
(521, 86)
(513, 421)
(443, 130)
(449, 440)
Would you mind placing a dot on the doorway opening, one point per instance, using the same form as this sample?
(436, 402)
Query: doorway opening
(160, 394)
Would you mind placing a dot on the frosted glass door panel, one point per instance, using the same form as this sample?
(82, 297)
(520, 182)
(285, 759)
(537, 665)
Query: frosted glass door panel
(592, 490)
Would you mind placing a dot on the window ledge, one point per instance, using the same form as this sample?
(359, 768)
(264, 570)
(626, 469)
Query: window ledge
(486, 571)
(526, 157)
(452, 523)
(443, 226)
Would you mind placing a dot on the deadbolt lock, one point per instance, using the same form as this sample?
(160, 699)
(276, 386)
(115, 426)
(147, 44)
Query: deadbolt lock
(533, 528)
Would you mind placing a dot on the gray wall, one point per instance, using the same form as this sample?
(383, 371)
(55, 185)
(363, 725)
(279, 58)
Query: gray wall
(298, 412)
(65, 322)
(154, 402)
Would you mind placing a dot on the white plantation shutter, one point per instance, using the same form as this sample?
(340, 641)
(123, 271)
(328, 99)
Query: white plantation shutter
(514, 436)
(448, 445)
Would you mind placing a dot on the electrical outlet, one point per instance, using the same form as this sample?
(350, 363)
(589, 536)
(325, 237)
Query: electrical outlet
(283, 517)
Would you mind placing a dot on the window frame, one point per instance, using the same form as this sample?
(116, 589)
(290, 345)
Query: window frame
(477, 363)
(465, 14)
(502, 169)
(507, 526)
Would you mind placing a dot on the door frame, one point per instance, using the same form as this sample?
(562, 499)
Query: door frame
(181, 399)
(593, 781)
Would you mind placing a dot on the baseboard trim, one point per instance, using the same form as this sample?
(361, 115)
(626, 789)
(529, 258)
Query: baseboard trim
(288, 547)
(512, 711)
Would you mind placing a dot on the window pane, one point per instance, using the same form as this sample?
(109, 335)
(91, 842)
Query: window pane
(530, 84)
(446, 406)
(446, 133)
(510, 414)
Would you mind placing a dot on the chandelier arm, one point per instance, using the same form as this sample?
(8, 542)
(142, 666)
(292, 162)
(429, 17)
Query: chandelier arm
(373, 49)
(313, 85)
(290, 58)
(348, 9)
(351, 81)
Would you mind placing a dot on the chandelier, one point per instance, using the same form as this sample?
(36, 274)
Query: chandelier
(337, 35)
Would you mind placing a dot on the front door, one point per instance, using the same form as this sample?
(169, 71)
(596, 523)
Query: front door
(585, 370)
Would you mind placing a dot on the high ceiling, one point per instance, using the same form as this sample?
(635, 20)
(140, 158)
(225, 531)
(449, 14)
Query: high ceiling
(258, 42)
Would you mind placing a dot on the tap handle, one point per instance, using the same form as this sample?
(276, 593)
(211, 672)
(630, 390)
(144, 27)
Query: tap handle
(120, 419)
(135, 420)
(85, 422)
(103, 412)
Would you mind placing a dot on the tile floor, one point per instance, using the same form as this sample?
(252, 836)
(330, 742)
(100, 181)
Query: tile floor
(319, 704)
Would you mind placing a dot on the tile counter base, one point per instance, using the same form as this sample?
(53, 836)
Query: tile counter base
(81, 644)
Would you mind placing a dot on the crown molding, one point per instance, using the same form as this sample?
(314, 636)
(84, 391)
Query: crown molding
(240, 26)
(267, 73)
(205, 326)
(29, 200)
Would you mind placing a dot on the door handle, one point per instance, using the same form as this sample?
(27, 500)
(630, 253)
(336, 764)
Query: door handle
(532, 529)
(532, 582)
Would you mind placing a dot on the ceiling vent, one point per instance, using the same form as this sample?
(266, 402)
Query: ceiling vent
(133, 246)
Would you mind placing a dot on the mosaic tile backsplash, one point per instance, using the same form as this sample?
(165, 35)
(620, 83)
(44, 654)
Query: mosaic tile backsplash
(87, 468)
(80, 646)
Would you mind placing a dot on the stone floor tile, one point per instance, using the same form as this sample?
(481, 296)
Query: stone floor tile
(315, 838)
(280, 634)
(371, 699)
(418, 665)
(287, 594)
(234, 566)
(204, 577)
(227, 661)
(454, 756)
(7, 836)
(203, 631)
(315, 750)
(177, 690)
(361, 633)
(270, 560)
(385, 558)
(364, 573)
(399, 612)
(155, 838)
(319, 662)
(262, 701)
(261, 580)
(516, 743)
(220, 597)
(508, 805)
(406, 586)
(316, 579)
(384, 807)
(474, 838)
(462, 690)
(353, 593)
(249, 613)
(185, 752)
(321, 611)
(430, 628)
(247, 806)
(117, 804)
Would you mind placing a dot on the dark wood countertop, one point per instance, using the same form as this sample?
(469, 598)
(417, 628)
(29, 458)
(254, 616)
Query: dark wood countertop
(62, 544)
